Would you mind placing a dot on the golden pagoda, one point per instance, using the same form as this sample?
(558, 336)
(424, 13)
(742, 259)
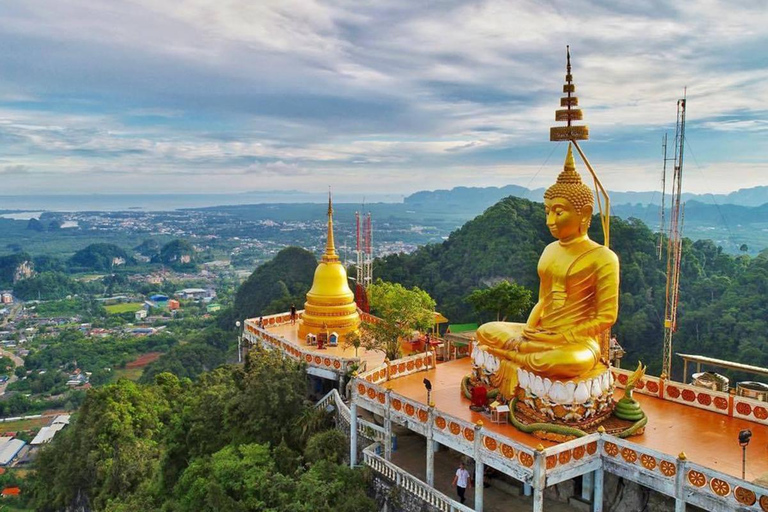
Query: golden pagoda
(330, 306)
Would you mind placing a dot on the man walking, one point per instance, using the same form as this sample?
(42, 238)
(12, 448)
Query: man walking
(461, 481)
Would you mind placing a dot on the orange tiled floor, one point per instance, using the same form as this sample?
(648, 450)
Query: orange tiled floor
(707, 438)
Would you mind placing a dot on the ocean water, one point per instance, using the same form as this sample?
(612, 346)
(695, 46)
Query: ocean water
(165, 202)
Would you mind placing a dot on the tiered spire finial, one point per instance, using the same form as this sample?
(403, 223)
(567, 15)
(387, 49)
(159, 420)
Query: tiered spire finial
(569, 113)
(330, 247)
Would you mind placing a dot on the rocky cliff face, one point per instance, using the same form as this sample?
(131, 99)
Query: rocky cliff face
(24, 270)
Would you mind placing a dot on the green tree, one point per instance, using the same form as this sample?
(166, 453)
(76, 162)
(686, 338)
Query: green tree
(503, 300)
(402, 311)
(270, 399)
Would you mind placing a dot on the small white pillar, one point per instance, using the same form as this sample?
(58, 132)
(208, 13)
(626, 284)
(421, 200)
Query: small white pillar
(679, 482)
(479, 468)
(587, 486)
(430, 450)
(387, 427)
(353, 435)
(597, 498)
(539, 479)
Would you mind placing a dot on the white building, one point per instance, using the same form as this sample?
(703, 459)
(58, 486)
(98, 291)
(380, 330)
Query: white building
(47, 433)
(9, 451)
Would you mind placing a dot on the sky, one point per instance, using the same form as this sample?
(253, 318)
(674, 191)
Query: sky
(227, 96)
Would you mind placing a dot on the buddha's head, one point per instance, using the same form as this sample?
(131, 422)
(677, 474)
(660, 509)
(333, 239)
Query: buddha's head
(568, 203)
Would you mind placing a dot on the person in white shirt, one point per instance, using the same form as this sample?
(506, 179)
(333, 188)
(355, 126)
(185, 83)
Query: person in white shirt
(462, 480)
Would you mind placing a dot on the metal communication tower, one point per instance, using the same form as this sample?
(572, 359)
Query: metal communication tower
(674, 242)
(364, 254)
(662, 210)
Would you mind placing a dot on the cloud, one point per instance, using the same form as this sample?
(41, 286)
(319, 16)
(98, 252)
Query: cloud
(390, 95)
(14, 170)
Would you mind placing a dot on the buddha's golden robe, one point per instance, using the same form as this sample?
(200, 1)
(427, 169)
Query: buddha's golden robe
(578, 302)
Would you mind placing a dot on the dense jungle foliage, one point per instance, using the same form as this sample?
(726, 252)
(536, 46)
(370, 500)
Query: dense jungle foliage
(239, 438)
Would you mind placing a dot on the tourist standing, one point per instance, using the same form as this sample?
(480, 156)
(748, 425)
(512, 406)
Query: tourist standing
(461, 480)
(293, 314)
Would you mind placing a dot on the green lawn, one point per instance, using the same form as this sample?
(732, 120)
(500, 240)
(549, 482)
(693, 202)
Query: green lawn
(129, 373)
(128, 307)
(15, 426)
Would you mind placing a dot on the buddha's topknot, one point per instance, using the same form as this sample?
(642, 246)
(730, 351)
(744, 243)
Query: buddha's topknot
(570, 186)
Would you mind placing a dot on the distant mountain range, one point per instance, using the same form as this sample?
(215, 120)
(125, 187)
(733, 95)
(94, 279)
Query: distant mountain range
(473, 197)
(733, 221)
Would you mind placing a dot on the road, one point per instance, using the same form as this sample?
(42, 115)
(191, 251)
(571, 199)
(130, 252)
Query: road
(15, 310)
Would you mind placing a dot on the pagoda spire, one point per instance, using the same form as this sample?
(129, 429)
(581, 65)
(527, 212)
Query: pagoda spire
(330, 247)
(570, 113)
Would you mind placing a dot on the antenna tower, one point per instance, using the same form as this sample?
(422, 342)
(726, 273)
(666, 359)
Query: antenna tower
(674, 242)
(662, 210)
(364, 263)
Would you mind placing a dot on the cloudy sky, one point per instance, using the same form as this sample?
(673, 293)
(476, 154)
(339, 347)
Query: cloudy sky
(386, 96)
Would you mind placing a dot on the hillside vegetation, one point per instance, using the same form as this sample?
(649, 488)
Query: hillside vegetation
(239, 438)
(275, 285)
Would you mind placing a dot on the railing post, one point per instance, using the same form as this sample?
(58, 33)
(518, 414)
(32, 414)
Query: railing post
(587, 486)
(387, 425)
(353, 434)
(430, 448)
(539, 478)
(479, 467)
(597, 496)
(679, 481)
(342, 386)
(599, 474)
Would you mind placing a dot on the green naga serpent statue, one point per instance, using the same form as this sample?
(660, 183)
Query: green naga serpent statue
(628, 408)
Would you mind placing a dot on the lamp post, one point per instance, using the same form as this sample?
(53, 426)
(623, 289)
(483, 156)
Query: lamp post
(744, 437)
(428, 385)
(239, 338)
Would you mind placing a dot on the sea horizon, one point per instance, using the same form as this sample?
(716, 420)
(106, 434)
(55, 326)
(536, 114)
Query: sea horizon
(170, 202)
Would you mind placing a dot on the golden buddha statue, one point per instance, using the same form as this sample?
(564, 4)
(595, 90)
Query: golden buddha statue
(578, 303)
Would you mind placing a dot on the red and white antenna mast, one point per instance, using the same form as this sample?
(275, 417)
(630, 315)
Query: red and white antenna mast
(674, 242)
(364, 262)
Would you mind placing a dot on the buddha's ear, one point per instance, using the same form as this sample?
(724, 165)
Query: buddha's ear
(586, 214)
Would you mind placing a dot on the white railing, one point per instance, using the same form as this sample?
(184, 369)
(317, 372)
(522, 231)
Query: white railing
(410, 483)
(704, 486)
(388, 370)
(572, 458)
(256, 334)
(365, 428)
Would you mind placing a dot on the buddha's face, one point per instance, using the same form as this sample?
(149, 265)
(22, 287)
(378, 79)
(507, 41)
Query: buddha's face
(564, 221)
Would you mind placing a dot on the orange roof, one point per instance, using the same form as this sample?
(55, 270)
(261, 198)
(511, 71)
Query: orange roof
(11, 491)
